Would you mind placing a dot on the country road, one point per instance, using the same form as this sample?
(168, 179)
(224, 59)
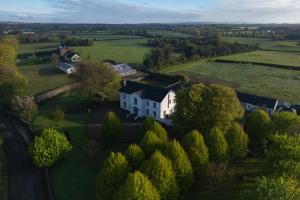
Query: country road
(25, 182)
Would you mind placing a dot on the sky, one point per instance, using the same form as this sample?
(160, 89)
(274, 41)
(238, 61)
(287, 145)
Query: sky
(150, 11)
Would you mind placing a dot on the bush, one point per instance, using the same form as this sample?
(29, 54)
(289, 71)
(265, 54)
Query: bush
(159, 131)
(281, 188)
(195, 147)
(217, 146)
(283, 122)
(159, 170)
(112, 175)
(58, 114)
(181, 165)
(151, 142)
(111, 127)
(137, 187)
(147, 124)
(135, 156)
(237, 141)
(49, 148)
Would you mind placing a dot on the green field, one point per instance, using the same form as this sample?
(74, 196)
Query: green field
(43, 77)
(265, 81)
(105, 36)
(169, 34)
(268, 44)
(130, 51)
(33, 47)
(272, 57)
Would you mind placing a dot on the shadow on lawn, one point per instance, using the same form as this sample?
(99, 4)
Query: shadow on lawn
(49, 72)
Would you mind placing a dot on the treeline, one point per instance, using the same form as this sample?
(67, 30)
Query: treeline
(38, 57)
(77, 42)
(34, 38)
(168, 51)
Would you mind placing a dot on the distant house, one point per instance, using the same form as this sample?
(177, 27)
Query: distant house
(68, 59)
(67, 67)
(252, 102)
(142, 100)
(71, 56)
(122, 69)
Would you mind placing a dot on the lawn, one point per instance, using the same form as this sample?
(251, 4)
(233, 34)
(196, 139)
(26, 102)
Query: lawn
(74, 178)
(270, 82)
(268, 44)
(130, 51)
(272, 57)
(43, 77)
(34, 47)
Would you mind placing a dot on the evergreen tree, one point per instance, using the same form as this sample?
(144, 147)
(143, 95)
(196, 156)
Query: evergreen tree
(159, 170)
(111, 127)
(135, 156)
(159, 131)
(217, 146)
(137, 187)
(147, 124)
(112, 175)
(151, 142)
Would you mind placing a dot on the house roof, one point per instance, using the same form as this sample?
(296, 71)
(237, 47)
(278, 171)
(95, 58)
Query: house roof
(63, 51)
(66, 66)
(145, 91)
(257, 100)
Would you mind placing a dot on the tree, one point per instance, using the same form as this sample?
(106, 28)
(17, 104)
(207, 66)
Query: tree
(54, 59)
(237, 141)
(159, 131)
(99, 81)
(283, 155)
(49, 147)
(159, 170)
(257, 127)
(25, 106)
(111, 127)
(195, 147)
(147, 124)
(281, 188)
(135, 156)
(181, 164)
(217, 146)
(151, 142)
(137, 187)
(7, 55)
(283, 122)
(58, 114)
(112, 175)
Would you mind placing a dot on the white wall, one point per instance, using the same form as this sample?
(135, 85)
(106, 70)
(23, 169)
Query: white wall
(168, 104)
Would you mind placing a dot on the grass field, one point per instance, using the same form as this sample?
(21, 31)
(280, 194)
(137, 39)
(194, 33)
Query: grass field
(272, 57)
(43, 77)
(33, 47)
(130, 51)
(267, 44)
(106, 36)
(276, 83)
(169, 34)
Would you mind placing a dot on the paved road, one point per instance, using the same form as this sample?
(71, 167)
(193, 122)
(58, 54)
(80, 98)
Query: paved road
(25, 182)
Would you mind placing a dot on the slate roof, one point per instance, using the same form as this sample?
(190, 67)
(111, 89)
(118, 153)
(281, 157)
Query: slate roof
(145, 91)
(257, 100)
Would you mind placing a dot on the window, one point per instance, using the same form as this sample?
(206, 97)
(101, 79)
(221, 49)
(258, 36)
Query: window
(154, 114)
(124, 96)
(174, 100)
(170, 101)
(135, 101)
(124, 104)
(147, 103)
(165, 114)
(154, 105)
(147, 111)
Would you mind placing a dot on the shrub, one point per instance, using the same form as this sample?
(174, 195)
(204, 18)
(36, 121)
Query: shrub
(135, 156)
(58, 114)
(159, 131)
(159, 170)
(283, 122)
(49, 148)
(217, 146)
(111, 127)
(147, 124)
(137, 187)
(151, 142)
(195, 147)
(112, 175)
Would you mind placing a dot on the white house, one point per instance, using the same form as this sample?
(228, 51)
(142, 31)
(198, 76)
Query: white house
(252, 102)
(67, 67)
(141, 100)
(123, 69)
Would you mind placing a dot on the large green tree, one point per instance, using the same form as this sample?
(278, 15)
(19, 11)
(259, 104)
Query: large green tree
(160, 172)
(49, 147)
(151, 142)
(112, 175)
(99, 81)
(284, 122)
(217, 146)
(135, 156)
(194, 144)
(181, 164)
(237, 141)
(137, 187)
(111, 127)
(203, 107)
(159, 131)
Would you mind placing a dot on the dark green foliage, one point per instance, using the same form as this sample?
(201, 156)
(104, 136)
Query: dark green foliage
(58, 114)
(283, 155)
(147, 124)
(111, 127)
(49, 148)
(135, 156)
(195, 147)
(159, 131)
(237, 141)
(159, 170)
(112, 175)
(283, 122)
(257, 127)
(151, 142)
(281, 188)
(181, 164)
(137, 187)
(217, 146)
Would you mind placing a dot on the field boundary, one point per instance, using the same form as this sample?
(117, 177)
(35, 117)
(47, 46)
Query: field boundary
(278, 66)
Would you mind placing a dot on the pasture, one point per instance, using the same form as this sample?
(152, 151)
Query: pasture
(34, 47)
(264, 81)
(107, 36)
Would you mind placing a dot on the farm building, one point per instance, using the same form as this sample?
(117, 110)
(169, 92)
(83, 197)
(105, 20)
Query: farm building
(67, 67)
(142, 100)
(68, 59)
(123, 69)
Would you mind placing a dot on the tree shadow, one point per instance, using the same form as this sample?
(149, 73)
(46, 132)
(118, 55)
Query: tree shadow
(49, 72)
